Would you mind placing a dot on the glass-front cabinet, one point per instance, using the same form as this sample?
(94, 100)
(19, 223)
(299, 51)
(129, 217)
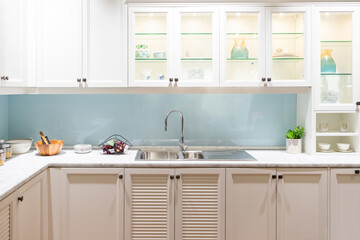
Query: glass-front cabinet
(173, 46)
(336, 55)
(242, 46)
(288, 46)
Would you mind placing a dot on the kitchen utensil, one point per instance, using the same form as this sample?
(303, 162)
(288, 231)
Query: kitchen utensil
(324, 126)
(51, 149)
(82, 148)
(343, 147)
(45, 140)
(324, 146)
(344, 126)
(159, 54)
(20, 146)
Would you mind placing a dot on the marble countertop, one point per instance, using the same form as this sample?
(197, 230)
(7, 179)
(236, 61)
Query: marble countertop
(20, 169)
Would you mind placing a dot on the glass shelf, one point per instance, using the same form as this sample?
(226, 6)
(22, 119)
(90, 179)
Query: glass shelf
(336, 74)
(150, 59)
(287, 58)
(335, 41)
(245, 59)
(196, 59)
(196, 34)
(241, 33)
(337, 134)
(150, 34)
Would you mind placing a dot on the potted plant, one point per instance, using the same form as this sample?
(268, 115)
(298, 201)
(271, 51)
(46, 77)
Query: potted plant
(293, 139)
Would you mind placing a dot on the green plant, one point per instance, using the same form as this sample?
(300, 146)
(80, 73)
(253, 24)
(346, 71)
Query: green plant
(297, 133)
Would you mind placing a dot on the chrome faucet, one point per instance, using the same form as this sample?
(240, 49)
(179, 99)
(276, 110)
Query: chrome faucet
(181, 140)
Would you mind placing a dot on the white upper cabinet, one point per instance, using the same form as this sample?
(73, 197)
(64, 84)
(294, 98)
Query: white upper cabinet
(80, 44)
(14, 42)
(288, 45)
(242, 46)
(196, 46)
(59, 43)
(173, 47)
(336, 57)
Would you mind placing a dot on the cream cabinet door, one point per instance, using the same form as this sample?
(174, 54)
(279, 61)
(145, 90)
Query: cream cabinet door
(7, 217)
(200, 203)
(149, 204)
(92, 204)
(345, 204)
(250, 204)
(32, 209)
(302, 204)
(59, 43)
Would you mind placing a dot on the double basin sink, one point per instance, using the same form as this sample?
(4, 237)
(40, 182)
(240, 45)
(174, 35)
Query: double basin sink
(160, 154)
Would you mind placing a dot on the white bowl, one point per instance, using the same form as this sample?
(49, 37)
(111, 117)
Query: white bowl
(343, 146)
(20, 146)
(324, 146)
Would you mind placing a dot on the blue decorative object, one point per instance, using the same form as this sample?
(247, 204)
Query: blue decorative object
(327, 62)
(239, 51)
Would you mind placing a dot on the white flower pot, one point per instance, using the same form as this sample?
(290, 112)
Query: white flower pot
(293, 146)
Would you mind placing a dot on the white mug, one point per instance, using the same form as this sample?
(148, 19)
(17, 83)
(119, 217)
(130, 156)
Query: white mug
(324, 126)
(344, 126)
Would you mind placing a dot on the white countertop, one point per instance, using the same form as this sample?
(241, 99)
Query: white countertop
(20, 169)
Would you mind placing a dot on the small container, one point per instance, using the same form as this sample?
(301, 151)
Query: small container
(2, 157)
(8, 151)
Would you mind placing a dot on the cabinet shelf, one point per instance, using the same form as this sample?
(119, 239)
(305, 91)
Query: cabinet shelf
(196, 59)
(150, 59)
(336, 41)
(287, 59)
(245, 59)
(241, 33)
(336, 74)
(337, 134)
(150, 34)
(194, 34)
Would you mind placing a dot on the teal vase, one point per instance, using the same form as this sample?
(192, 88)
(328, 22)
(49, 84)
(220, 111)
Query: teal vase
(327, 62)
(239, 50)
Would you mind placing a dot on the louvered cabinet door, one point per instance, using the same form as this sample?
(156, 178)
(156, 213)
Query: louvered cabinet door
(250, 204)
(7, 217)
(200, 204)
(149, 204)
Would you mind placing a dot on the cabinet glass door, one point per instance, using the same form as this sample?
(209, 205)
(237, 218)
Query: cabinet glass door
(337, 59)
(149, 46)
(288, 46)
(242, 46)
(196, 46)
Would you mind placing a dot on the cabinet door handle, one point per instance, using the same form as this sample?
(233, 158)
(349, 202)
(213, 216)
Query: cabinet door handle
(171, 79)
(273, 176)
(2, 78)
(176, 79)
(269, 79)
(121, 176)
(177, 176)
(263, 79)
(21, 198)
(357, 171)
(78, 80)
(171, 177)
(357, 106)
(84, 80)
(281, 176)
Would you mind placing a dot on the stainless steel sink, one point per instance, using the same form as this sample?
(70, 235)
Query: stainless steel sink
(168, 155)
(162, 154)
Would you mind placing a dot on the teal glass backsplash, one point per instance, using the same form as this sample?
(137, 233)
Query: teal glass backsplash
(210, 119)
(4, 117)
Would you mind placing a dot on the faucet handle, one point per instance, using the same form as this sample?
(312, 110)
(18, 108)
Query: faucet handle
(183, 147)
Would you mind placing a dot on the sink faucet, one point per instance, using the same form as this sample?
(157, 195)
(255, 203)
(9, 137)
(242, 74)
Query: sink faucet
(181, 141)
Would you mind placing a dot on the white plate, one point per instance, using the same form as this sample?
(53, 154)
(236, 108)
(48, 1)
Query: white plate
(342, 151)
(325, 151)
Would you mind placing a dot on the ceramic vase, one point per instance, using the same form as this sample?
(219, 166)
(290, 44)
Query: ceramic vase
(327, 62)
(293, 146)
(239, 50)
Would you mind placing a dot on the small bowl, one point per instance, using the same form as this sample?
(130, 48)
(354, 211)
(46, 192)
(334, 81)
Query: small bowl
(20, 146)
(49, 150)
(343, 146)
(324, 146)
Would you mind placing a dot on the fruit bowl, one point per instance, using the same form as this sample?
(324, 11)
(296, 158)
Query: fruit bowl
(49, 150)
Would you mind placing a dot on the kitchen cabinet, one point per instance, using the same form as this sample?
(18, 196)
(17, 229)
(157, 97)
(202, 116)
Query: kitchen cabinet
(15, 40)
(173, 46)
(77, 51)
(276, 203)
(174, 204)
(7, 217)
(92, 203)
(345, 204)
(265, 46)
(31, 209)
(336, 58)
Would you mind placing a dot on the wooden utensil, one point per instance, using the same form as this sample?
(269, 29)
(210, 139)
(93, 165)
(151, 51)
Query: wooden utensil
(44, 139)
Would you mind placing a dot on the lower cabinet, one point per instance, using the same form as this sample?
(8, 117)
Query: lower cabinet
(345, 204)
(92, 203)
(282, 204)
(7, 217)
(174, 204)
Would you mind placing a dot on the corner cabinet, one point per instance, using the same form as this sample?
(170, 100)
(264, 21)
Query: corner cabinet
(175, 204)
(276, 204)
(174, 46)
(76, 51)
(92, 203)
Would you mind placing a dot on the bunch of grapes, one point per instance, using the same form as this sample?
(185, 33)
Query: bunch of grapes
(114, 147)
